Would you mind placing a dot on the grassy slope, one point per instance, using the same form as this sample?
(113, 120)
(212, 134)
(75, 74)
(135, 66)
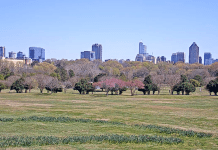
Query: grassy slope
(197, 112)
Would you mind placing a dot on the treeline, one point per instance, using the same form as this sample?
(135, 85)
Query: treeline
(60, 75)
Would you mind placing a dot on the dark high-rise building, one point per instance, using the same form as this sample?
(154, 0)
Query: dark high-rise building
(2, 51)
(180, 56)
(174, 58)
(20, 55)
(163, 58)
(97, 48)
(200, 60)
(37, 53)
(12, 55)
(158, 59)
(90, 55)
(207, 56)
(193, 53)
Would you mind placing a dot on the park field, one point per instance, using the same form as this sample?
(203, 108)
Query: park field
(33, 114)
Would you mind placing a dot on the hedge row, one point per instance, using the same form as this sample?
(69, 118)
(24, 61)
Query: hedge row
(6, 119)
(167, 130)
(65, 119)
(114, 138)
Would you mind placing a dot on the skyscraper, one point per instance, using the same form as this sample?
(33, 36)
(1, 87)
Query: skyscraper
(180, 56)
(140, 57)
(142, 48)
(90, 55)
(207, 56)
(163, 58)
(20, 55)
(193, 53)
(200, 60)
(37, 53)
(12, 55)
(174, 58)
(2, 51)
(97, 48)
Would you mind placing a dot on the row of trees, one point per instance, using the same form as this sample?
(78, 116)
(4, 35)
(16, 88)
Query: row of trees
(63, 73)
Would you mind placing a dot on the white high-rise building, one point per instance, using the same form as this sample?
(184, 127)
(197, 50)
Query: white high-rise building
(142, 48)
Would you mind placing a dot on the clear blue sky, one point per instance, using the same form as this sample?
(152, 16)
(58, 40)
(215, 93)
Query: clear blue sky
(67, 27)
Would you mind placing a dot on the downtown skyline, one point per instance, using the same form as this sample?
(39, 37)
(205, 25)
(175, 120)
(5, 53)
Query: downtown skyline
(164, 27)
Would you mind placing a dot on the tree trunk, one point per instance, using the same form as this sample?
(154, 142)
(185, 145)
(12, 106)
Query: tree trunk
(25, 90)
(144, 92)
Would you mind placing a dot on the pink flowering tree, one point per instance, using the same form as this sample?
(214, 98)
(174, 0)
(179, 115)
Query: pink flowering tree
(113, 85)
(121, 85)
(133, 85)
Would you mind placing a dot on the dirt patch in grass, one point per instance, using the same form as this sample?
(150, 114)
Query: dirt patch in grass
(172, 108)
(76, 101)
(148, 99)
(17, 104)
(103, 119)
(162, 102)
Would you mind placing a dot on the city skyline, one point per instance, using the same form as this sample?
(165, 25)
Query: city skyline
(164, 27)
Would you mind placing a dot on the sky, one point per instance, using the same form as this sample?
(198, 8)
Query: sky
(65, 28)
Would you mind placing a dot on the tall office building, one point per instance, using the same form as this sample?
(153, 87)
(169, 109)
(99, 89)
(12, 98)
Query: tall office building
(207, 56)
(37, 54)
(200, 60)
(20, 55)
(174, 58)
(142, 48)
(163, 58)
(97, 48)
(140, 57)
(12, 55)
(90, 55)
(180, 56)
(193, 53)
(158, 59)
(2, 51)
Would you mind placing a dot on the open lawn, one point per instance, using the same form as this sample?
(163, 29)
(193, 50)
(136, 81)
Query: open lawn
(119, 115)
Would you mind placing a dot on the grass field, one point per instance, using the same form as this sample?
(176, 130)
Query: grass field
(197, 112)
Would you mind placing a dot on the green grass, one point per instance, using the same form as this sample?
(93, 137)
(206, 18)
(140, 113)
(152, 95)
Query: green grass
(197, 112)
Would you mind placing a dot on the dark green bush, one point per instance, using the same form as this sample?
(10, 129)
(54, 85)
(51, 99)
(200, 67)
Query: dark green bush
(114, 138)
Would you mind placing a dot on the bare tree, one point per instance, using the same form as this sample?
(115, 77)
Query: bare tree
(85, 69)
(54, 85)
(141, 72)
(10, 80)
(158, 79)
(73, 81)
(172, 80)
(67, 85)
(30, 83)
(42, 81)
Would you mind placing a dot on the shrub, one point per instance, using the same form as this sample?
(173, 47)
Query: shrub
(18, 85)
(212, 86)
(2, 86)
(149, 86)
(194, 82)
(84, 87)
(184, 86)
